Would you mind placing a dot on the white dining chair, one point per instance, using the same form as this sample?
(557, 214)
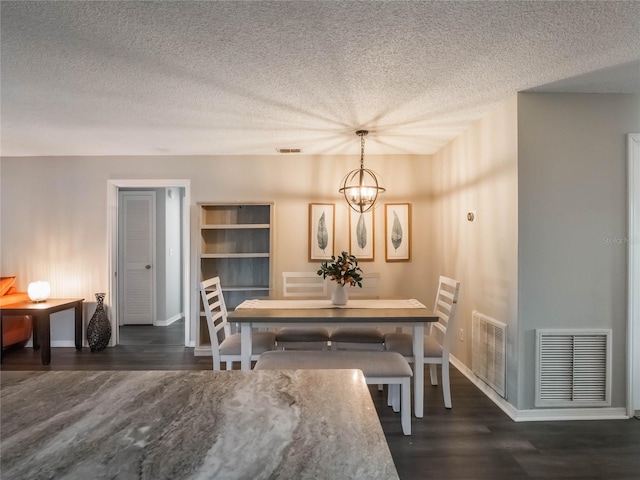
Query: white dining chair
(360, 338)
(225, 346)
(370, 287)
(303, 285)
(437, 341)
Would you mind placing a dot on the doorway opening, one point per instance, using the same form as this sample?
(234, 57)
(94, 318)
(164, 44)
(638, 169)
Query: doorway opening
(149, 262)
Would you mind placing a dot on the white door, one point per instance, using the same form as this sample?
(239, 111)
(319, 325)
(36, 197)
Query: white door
(137, 254)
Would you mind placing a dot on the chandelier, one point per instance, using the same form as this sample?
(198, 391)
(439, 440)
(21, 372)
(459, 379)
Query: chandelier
(361, 187)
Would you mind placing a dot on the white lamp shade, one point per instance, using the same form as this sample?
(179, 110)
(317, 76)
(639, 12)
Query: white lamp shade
(39, 291)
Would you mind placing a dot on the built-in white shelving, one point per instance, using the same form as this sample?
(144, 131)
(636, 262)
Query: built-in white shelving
(235, 245)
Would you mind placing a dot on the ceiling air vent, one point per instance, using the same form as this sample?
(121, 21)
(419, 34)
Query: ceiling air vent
(288, 150)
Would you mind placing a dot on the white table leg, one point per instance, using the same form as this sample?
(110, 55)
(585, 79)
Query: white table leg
(246, 341)
(418, 369)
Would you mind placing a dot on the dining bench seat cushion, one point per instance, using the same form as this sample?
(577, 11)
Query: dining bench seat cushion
(357, 335)
(403, 344)
(373, 364)
(302, 334)
(262, 342)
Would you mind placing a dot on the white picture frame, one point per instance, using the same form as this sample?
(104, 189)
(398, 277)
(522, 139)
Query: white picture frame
(397, 228)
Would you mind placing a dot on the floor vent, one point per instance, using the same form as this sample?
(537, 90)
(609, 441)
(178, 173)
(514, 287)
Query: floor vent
(573, 368)
(488, 350)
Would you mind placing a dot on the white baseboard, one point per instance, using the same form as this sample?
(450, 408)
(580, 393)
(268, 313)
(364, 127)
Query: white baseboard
(541, 414)
(169, 321)
(63, 343)
(56, 343)
(553, 414)
(202, 352)
(72, 343)
(505, 406)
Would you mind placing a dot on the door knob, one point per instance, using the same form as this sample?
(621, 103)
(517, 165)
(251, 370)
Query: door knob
(148, 267)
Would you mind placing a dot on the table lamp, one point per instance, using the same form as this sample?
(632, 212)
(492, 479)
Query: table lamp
(39, 291)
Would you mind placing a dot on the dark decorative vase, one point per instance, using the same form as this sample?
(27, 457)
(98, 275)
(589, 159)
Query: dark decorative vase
(99, 328)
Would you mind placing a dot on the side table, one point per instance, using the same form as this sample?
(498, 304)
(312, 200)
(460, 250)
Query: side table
(41, 313)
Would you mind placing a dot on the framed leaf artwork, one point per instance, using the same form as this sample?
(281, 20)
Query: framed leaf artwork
(361, 235)
(321, 230)
(397, 232)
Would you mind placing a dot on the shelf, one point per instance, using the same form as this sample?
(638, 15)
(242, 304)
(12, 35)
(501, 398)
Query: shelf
(235, 226)
(246, 289)
(235, 255)
(235, 214)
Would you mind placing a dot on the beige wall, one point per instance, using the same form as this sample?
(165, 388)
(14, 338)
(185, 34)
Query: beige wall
(478, 172)
(54, 210)
(545, 173)
(572, 217)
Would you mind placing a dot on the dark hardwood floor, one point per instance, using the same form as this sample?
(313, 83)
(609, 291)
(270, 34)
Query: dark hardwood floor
(473, 440)
(149, 335)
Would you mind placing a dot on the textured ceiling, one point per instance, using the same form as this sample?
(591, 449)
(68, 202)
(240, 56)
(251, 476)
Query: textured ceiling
(242, 77)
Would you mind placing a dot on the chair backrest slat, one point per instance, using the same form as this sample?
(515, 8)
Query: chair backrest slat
(303, 284)
(215, 311)
(370, 284)
(445, 307)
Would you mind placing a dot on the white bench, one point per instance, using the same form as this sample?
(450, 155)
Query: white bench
(379, 368)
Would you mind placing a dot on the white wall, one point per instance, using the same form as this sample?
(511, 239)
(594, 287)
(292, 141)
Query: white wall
(478, 172)
(573, 218)
(54, 210)
(546, 174)
(173, 257)
(160, 261)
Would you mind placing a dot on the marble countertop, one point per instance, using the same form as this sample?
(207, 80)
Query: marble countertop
(157, 425)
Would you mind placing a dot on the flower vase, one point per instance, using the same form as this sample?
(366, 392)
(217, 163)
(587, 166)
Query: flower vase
(99, 328)
(340, 296)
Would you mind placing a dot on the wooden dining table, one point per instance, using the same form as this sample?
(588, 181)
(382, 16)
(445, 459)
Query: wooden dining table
(410, 313)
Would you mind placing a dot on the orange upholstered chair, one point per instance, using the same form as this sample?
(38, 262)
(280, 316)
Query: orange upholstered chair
(16, 329)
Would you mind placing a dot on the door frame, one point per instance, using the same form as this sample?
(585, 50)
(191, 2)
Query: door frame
(633, 288)
(113, 187)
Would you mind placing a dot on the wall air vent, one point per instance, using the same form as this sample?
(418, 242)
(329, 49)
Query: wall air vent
(288, 150)
(573, 368)
(488, 351)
